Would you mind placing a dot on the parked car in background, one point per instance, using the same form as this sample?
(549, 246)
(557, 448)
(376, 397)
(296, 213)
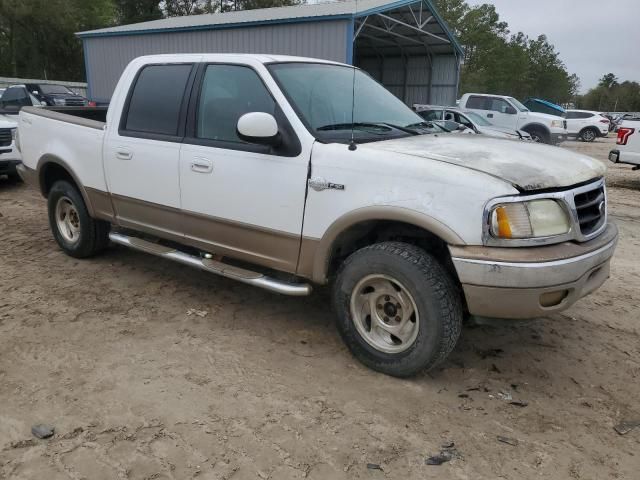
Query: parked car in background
(586, 125)
(267, 170)
(57, 95)
(469, 119)
(628, 143)
(9, 155)
(15, 97)
(508, 112)
(544, 106)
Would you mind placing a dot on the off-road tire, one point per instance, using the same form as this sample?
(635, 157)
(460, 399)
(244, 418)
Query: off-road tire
(94, 234)
(437, 298)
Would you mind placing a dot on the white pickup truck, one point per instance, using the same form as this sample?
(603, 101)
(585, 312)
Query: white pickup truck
(508, 112)
(266, 170)
(628, 143)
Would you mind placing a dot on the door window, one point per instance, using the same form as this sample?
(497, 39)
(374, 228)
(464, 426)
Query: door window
(228, 92)
(499, 105)
(430, 115)
(156, 100)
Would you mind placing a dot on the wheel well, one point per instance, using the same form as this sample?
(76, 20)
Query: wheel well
(590, 127)
(535, 126)
(375, 231)
(52, 172)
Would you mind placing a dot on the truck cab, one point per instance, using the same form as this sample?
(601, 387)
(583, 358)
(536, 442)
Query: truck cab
(508, 112)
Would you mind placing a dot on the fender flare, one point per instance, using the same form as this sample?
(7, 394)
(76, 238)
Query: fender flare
(47, 159)
(535, 126)
(315, 259)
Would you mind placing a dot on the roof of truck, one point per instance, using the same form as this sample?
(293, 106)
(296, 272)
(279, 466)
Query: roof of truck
(259, 57)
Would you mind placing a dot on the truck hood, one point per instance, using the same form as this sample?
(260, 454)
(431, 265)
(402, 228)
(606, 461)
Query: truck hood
(526, 165)
(8, 121)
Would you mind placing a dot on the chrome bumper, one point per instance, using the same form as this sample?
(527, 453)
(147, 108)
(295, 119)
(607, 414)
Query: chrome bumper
(502, 283)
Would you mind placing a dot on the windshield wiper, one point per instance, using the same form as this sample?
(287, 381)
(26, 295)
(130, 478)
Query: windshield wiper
(349, 126)
(384, 125)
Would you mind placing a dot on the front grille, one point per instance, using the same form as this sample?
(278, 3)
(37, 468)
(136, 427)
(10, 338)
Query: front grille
(5, 137)
(591, 208)
(74, 102)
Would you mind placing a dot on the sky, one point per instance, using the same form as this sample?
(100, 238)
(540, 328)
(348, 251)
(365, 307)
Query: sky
(594, 37)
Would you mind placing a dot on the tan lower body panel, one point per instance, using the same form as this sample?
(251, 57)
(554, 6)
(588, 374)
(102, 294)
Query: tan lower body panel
(101, 204)
(260, 246)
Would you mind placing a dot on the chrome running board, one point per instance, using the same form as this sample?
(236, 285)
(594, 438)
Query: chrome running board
(213, 266)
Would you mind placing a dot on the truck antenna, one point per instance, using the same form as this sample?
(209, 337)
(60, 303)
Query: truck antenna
(352, 143)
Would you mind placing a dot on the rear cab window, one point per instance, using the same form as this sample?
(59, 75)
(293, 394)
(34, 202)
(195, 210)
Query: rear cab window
(156, 102)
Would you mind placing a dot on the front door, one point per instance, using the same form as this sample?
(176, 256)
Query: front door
(141, 157)
(241, 199)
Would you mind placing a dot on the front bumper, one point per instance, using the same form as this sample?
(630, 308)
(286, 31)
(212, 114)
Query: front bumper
(532, 282)
(558, 137)
(9, 167)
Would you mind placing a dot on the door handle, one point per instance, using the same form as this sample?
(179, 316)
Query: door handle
(201, 165)
(124, 155)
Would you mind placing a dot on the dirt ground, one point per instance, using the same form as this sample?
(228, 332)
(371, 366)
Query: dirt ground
(263, 388)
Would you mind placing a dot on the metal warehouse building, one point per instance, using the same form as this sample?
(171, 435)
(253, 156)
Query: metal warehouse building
(403, 44)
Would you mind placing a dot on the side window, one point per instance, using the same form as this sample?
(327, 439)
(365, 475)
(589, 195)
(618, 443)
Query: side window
(16, 97)
(587, 115)
(571, 116)
(154, 105)
(477, 102)
(431, 115)
(498, 105)
(228, 92)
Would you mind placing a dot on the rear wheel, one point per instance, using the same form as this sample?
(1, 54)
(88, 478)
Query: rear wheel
(588, 135)
(77, 234)
(398, 310)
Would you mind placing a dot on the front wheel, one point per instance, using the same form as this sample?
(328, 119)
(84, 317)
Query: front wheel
(77, 234)
(539, 136)
(398, 310)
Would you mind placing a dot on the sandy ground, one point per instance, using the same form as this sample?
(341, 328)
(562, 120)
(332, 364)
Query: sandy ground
(263, 388)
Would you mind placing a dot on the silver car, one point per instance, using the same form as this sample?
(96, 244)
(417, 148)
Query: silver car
(470, 120)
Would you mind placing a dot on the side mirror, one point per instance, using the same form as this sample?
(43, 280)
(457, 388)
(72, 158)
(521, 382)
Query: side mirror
(260, 128)
(510, 110)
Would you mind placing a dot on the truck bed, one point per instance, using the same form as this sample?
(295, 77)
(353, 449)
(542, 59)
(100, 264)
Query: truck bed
(92, 117)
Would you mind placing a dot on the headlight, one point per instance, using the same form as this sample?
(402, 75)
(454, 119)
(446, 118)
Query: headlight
(557, 124)
(536, 218)
(58, 101)
(13, 133)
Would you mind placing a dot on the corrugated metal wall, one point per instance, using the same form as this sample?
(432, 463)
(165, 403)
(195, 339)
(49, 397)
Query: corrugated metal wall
(107, 57)
(422, 83)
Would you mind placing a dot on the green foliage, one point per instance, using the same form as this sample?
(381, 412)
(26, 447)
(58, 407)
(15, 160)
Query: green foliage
(496, 61)
(135, 11)
(37, 36)
(612, 96)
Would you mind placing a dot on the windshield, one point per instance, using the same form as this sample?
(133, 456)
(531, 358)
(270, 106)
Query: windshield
(518, 105)
(478, 119)
(323, 96)
(48, 89)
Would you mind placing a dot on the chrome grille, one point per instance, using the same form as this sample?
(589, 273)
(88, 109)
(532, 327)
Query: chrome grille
(5, 137)
(74, 102)
(591, 208)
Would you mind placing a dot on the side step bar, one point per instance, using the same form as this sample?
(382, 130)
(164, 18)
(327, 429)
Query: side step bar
(213, 266)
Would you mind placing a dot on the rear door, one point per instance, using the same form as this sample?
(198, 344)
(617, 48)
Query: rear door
(141, 156)
(573, 123)
(241, 199)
